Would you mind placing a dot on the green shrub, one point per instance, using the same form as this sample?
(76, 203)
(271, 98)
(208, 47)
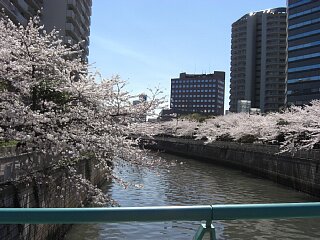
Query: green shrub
(10, 143)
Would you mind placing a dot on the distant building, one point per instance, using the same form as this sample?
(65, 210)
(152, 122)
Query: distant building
(166, 115)
(303, 72)
(258, 60)
(198, 93)
(243, 106)
(142, 98)
(70, 17)
(255, 111)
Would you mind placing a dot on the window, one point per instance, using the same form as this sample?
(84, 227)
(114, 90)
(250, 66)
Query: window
(292, 5)
(313, 55)
(301, 35)
(304, 68)
(304, 23)
(316, 43)
(309, 11)
(313, 78)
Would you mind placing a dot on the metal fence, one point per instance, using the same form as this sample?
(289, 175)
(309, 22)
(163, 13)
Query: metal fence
(206, 213)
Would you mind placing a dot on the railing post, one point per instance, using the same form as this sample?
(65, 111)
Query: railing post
(211, 230)
(203, 228)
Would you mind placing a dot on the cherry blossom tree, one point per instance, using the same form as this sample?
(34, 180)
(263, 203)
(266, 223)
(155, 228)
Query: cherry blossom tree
(296, 128)
(50, 102)
(300, 127)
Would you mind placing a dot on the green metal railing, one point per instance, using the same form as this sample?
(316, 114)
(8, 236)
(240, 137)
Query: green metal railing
(206, 213)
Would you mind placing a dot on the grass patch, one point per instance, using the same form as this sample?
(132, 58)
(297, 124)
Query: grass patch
(10, 143)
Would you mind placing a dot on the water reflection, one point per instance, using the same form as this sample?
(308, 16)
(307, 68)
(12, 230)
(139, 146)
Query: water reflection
(190, 182)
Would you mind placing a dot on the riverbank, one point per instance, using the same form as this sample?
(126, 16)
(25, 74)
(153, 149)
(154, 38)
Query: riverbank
(299, 171)
(46, 188)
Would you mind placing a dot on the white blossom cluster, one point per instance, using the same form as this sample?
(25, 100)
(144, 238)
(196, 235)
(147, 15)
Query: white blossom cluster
(50, 102)
(293, 129)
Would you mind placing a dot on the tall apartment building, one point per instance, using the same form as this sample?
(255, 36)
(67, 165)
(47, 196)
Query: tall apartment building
(70, 17)
(303, 72)
(198, 93)
(258, 56)
(20, 11)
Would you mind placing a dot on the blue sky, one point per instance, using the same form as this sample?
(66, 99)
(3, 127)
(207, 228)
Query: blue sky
(148, 42)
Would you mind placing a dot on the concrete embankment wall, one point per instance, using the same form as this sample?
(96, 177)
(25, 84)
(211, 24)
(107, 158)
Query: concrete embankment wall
(300, 171)
(51, 189)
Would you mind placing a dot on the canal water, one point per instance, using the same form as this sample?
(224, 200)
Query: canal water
(185, 182)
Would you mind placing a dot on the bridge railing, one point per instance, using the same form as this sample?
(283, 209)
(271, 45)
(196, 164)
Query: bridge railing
(206, 213)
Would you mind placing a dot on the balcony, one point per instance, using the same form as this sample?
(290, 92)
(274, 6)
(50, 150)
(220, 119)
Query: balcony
(71, 14)
(22, 4)
(35, 4)
(69, 40)
(72, 31)
(12, 12)
(69, 27)
(7, 5)
(72, 2)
